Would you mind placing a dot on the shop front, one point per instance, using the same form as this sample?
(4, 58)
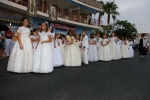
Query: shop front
(12, 19)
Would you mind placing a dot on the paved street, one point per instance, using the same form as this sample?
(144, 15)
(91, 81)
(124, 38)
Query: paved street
(127, 79)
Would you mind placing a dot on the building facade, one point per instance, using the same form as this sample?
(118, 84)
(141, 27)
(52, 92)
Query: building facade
(62, 15)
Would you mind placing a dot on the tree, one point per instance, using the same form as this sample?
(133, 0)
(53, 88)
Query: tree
(110, 8)
(125, 28)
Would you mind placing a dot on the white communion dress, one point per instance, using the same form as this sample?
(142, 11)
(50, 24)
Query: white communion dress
(57, 56)
(20, 60)
(92, 52)
(72, 55)
(61, 46)
(104, 51)
(131, 51)
(124, 49)
(114, 50)
(34, 43)
(43, 58)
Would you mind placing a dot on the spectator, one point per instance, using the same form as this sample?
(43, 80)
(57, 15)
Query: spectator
(2, 44)
(8, 42)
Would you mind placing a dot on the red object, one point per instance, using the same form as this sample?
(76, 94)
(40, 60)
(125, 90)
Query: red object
(64, 27)
(8, 34)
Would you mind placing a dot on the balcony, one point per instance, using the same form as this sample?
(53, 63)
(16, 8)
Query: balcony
(62, 15)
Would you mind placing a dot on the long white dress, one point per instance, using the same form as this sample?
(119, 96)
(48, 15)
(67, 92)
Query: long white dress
(104, 52)
(115, 52)
(92, 52)
(20, 60)
(61, 46)
(57, 56)
(124, 50)
(34, 43)
(119, 47)
(43, 58)
(98, 42)
(72, 56)
(131, 51)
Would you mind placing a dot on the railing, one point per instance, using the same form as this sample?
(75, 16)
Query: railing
(62, 13)
(81, 18)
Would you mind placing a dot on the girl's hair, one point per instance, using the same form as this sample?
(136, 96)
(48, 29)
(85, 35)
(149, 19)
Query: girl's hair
(61, 36)
(57, 34)
(123, 38)
(51, 29)
(34, 30)
(74, 34)
(24, 18)
(105, 35)
(92, 35)
(69, 31)
(46, 26)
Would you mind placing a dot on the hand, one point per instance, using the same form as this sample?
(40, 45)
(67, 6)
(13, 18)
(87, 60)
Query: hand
(42, 42)
(21, 47)
(54, 46)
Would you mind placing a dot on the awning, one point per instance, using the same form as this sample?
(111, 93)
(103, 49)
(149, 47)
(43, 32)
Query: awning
(82, 6)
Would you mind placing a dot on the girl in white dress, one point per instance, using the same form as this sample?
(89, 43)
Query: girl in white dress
(114, 50)
(72, 56)
(20, 60)
(124, 49)
(34, 38)
(92, 52)
(104, 51)
(98, 41)
(57, 56)
(43, 58)
(131, 51)
(60, 44)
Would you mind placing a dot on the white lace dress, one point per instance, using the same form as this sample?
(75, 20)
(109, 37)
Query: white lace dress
(114, 50)
(34, 43)
(72, 55)
(104, 51)
(43, 58)
(57, 56)
(20, 60)
(131, 51)
(92, 52)
(124, 50)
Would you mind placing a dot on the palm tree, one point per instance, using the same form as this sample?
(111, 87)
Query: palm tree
(110, 8)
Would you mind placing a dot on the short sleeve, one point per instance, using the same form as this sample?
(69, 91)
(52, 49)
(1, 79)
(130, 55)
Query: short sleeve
(49, 33)
(19, 30)
(31, 36)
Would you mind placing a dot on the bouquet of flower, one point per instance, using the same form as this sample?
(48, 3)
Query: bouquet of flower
(68, 38)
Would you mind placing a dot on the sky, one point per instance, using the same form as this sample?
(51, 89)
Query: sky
(135, 11)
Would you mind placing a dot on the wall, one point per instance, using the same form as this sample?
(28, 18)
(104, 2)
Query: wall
(36, 21)
(79, 30)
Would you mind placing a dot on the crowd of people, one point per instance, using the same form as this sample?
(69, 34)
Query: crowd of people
(40, 50)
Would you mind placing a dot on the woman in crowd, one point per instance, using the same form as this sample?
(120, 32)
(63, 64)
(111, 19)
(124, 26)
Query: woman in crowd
(72, 56)
(124, 48)
(20, 60)
(43, 58)
(142, 45)
(104, 52)
(115, 52)
(92, 52)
